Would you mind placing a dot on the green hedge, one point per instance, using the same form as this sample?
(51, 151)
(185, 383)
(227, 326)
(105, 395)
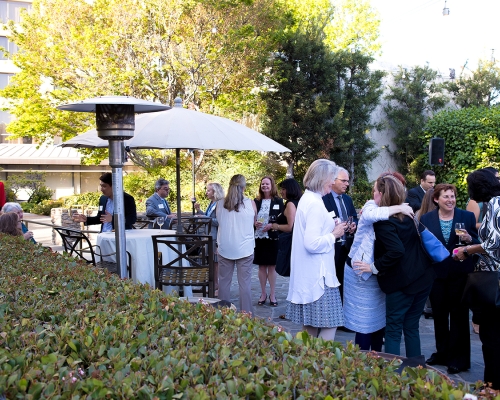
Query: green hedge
(68, 330)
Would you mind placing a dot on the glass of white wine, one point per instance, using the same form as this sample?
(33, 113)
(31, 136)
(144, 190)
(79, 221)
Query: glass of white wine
(460, 231)
(160, 221)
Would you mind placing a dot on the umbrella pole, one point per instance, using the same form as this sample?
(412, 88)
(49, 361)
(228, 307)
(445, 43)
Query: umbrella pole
(194, 181)
(178, 178)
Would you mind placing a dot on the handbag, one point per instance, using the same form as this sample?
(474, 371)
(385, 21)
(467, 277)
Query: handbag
(284, 253)
(482, 288)
(436, 250)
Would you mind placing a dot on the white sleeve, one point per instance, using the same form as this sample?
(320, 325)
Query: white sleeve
(314, 239)
(372, 213)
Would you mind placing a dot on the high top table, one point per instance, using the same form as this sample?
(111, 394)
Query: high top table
(140, 246)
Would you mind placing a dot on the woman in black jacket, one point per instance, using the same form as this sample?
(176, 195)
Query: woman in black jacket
(269, 206)
(451, 317)
(404, 271)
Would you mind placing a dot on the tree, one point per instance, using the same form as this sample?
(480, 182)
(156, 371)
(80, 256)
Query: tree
(301, 106)
(151, 49)
(33, 182)
(481, 88)
(472, 137)
(358, 91)
(414, 96)
(346, 24)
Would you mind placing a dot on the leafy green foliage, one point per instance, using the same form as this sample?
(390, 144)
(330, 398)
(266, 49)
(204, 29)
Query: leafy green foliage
(68, 330)
(83, 199)
(151, 49)
(413, 98)
(358, 94)
(301, 106)
(472, 141)
(480, 88)
(33, 182)
(45, 206)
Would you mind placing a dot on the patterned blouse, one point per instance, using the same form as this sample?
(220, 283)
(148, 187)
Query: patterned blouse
(489, 231)
(446, 227)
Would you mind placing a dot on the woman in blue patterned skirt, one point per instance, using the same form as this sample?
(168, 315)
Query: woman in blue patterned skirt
(364, 302)
(313, 291)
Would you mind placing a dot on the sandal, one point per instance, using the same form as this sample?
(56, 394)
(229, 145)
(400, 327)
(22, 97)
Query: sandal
(273, 303)
(262, 302)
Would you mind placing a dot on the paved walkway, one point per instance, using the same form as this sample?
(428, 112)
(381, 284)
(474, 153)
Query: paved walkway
(44, 235)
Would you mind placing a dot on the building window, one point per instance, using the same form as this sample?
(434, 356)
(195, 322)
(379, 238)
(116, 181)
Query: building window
(11, 10)
(4, 80)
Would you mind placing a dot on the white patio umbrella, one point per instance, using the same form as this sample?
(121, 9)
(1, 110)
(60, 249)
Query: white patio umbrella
(180, 128)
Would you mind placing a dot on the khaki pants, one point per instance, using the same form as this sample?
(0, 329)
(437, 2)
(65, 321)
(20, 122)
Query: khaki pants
(244, 272)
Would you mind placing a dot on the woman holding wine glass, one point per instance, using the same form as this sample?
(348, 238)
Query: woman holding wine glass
(269, 206)
(451, 226)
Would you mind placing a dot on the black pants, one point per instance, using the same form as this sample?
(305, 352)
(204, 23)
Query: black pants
(489, 333)
(370, 341)
(341, 253)
(451, 321)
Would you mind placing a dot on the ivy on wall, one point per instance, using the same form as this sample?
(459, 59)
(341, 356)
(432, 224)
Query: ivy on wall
(472, 141)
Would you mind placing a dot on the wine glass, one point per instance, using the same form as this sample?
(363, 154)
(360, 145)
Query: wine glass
(272, 219)
(459, 231)
(160, 221)
(349, 221)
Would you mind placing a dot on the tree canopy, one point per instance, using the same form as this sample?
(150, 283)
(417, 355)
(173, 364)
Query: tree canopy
(414, 96)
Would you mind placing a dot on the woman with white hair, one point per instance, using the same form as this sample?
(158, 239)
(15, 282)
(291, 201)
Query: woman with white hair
(16, 207)
(313, 290)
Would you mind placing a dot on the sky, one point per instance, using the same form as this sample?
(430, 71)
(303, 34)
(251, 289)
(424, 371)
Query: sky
(414, 32)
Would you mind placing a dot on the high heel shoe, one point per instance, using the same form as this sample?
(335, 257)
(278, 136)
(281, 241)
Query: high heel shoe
(273, 303)
(262, 302)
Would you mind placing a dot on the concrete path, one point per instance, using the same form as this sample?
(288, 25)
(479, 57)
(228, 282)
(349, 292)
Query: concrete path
(43, 235)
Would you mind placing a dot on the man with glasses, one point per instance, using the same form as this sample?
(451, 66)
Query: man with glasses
(157, 205)
(340, 203)
(415, 196)
(105, 212)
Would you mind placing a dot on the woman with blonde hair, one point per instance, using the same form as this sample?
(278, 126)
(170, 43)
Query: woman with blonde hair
(314, 288)
(403, 270)
(235, 238)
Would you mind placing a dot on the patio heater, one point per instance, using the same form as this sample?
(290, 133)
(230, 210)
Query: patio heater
(115, 122)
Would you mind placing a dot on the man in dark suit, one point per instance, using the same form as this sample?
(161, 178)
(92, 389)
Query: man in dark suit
(342, 205)
(157, 205)
(415, 195)
(105, 213)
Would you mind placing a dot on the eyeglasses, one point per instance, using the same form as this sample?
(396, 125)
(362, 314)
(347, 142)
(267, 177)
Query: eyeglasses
(342, 180)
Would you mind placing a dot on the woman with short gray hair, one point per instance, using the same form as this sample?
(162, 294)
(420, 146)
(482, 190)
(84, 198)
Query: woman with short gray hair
(16, 207)
(313, 291)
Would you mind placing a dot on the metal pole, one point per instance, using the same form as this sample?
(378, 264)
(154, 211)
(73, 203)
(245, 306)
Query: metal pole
(116, 162)
(178, 184)
(194, 179)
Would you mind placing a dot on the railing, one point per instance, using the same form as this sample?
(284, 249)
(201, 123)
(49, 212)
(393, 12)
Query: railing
(51, 225)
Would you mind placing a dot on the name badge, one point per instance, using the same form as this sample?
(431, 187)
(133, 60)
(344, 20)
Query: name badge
(160, 206)
(100, 208)
(276, 207)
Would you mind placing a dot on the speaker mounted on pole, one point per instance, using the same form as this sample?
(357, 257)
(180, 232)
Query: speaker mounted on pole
(436, 151)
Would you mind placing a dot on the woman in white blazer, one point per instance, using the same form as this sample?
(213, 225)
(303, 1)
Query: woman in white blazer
(313, 291)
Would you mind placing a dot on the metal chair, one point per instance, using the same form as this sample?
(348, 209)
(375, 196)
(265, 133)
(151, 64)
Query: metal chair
(197, 225)
(193, 264)
(77, 244)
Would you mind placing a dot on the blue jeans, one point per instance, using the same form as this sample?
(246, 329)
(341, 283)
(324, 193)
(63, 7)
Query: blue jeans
(403, 313)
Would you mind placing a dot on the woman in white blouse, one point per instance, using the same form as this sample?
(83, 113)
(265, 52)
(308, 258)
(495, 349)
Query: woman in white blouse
(235, 238)
(313, 291)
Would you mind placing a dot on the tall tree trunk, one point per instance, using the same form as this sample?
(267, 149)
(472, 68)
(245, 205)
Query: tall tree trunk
(289, 169)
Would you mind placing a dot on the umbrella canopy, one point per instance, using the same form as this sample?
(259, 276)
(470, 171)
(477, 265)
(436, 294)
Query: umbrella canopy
(180, 128)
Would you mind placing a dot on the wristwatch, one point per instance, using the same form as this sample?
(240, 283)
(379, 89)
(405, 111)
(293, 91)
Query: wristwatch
(466, 253)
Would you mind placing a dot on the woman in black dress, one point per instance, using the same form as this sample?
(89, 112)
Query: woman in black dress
(269, 206)
(291, 192)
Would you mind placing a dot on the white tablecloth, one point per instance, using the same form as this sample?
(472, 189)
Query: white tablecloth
(140, 246)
